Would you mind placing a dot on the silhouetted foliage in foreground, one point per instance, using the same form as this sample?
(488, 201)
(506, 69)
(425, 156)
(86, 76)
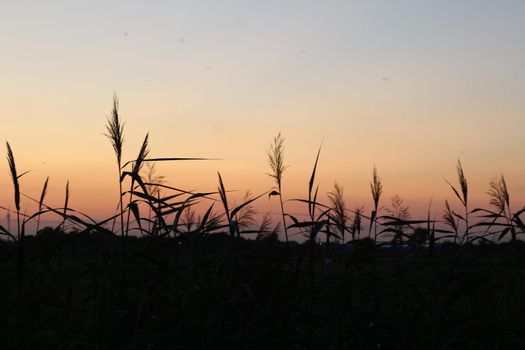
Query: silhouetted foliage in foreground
(217, 291)
(192, 280)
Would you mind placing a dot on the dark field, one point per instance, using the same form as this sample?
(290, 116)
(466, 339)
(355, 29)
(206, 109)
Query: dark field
(96, 291)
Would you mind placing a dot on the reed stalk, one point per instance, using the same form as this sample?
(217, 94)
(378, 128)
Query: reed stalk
(277, 167)
(115, 134)
(16, 186)
(376, 188)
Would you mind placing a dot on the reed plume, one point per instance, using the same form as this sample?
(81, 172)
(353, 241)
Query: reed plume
(401, 212)
(376, 187)
(464, 191)
(336, 198)
(277, 167)
(246, 216)
(115, 134)
(16, 184)
(499, 197)
(462, 195)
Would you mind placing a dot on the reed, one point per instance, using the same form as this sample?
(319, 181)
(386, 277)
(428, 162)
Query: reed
(168, 290)
(451, 220)
(115, 134)
(231, 214)
(338, 206)
(277, 168)
(502, 217)
(189, 218)
(246, 216)
(135, 170)
(16, 186)
(401, 213)
(66, 203)
(41, 203)
(462, 195)
(376, 188)
(357, 223)
(265, 230)
(154, 186)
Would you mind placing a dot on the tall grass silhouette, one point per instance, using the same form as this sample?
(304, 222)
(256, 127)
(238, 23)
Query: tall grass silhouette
(462, 195)
(115, 134)
(41, 203)
(135, 170)
(277, 167)
(338, 206)
(182, 270)
(400, 212)
(451, 219)
(376, 188)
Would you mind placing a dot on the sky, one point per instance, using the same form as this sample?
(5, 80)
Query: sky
(407, 86)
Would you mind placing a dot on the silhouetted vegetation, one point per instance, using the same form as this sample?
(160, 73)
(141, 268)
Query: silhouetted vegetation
(174, 268)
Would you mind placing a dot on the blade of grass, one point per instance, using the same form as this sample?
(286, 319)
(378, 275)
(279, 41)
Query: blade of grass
(40, 202)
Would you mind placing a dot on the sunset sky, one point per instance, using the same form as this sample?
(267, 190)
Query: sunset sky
(409, 86)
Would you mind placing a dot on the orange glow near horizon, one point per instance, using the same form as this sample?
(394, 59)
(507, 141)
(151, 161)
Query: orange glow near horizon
(409, 96)
(94, 186)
